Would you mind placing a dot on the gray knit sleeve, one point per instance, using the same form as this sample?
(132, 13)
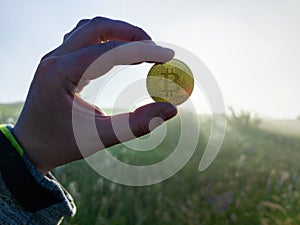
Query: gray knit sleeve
(12, 213)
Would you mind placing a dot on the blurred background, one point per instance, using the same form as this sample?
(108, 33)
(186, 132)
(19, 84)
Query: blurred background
(251, 47)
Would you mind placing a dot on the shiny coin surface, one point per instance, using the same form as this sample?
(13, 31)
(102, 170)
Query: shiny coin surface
(171, 82)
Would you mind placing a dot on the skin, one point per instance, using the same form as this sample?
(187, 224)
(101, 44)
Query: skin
(44, 128)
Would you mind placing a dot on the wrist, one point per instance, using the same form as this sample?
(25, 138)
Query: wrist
(27, 144)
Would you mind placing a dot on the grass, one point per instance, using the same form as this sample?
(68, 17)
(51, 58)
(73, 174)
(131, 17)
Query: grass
(10, 112)
(255, 179)
(283, 126)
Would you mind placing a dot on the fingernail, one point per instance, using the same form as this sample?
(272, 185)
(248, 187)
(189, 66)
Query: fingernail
(170, 51)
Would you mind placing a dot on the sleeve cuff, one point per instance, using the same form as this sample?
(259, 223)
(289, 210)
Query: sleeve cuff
(55, 212)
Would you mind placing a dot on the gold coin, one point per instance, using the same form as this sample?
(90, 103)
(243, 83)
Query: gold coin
(171, 82)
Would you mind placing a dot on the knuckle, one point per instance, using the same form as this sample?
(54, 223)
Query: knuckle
(66, 36)
(98, 20)
(82, 22)
(48, 63)
(54, 73)
(79, 24)
(48, 66)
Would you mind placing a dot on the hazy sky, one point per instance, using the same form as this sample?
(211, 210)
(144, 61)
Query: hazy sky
(251, 47)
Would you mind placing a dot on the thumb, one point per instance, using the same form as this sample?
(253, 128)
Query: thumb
(127, 126)
(148, 117)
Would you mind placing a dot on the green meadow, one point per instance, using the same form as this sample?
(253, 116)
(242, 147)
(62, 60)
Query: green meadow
(255, 179)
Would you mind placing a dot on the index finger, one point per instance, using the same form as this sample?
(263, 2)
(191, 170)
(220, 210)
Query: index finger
(100, 30)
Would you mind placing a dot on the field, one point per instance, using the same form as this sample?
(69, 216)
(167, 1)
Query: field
(255, 179)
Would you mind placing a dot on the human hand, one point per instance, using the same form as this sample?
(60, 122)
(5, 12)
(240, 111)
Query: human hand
(45, 129)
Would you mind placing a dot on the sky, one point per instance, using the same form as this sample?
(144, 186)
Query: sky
(251, 47)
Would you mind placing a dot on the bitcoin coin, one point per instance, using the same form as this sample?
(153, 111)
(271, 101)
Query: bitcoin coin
(171, 82)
